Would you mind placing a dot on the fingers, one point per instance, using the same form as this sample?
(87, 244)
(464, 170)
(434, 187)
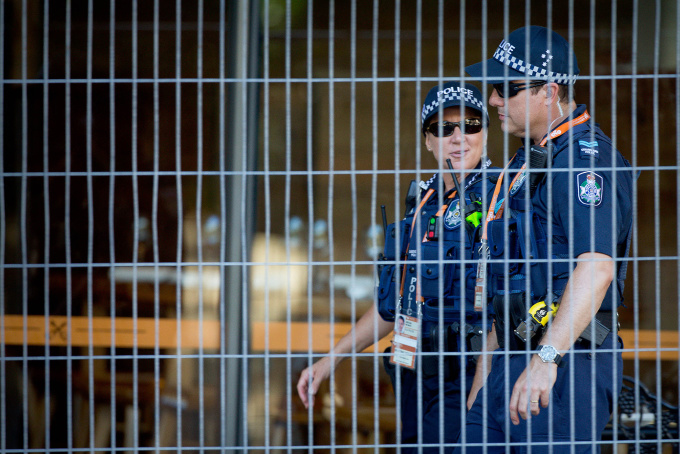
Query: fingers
(522, 403)
(515, 399)
(474, 392)
(470, 402)
(545, 399)
(471, 398)
(302, 386)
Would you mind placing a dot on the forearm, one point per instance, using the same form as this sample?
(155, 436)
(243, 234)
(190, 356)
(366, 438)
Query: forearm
(582, 298)
(484, 363)
(483, 366)
(363, 334)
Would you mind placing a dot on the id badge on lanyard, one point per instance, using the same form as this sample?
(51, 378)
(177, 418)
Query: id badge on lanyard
(407, 325)
(405, 340)
(480, 281)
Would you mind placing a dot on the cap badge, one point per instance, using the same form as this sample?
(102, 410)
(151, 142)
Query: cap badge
(547, 56)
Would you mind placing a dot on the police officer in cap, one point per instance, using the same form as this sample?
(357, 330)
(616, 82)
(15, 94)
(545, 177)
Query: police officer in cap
(558, 227)
(431, 252)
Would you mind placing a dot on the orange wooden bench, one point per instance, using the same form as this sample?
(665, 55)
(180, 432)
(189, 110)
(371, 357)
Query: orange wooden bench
(163, 333)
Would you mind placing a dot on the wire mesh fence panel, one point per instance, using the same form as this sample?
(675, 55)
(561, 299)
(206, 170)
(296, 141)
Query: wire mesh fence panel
(339, 226)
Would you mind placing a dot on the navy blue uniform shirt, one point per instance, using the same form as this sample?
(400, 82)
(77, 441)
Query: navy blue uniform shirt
(587, 194)
(431, 273)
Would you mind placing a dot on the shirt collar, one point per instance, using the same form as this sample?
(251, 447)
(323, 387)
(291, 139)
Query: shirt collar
(580, 108)
(470, 179)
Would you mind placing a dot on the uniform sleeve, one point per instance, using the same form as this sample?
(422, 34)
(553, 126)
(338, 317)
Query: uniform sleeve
(583, 197)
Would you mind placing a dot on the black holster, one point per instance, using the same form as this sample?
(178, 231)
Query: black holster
(509, 322)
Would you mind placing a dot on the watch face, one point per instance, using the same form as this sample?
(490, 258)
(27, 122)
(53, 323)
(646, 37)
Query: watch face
(547, 353)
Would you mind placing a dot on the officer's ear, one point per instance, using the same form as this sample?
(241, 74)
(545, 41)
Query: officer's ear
(551, 93)
(428, 142)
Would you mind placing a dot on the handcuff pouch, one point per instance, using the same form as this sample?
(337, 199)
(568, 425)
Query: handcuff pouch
(396, 242)
(508, 322)
(388, 291)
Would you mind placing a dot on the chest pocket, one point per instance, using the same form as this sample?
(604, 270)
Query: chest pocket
(442, 261)
(502, 248)
(515, 249)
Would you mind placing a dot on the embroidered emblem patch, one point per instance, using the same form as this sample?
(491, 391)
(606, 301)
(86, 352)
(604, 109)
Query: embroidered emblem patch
(452, 218)
(519, 183)
(589, 149)
(589, 187)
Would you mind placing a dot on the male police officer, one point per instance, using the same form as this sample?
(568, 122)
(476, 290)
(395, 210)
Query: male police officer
(556, 231)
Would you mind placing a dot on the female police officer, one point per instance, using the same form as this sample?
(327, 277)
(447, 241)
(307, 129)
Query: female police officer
(427, 278)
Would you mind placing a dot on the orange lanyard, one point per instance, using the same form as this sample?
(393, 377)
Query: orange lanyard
(565, 127)
(492, 214)
(413, 227)
(413, 223)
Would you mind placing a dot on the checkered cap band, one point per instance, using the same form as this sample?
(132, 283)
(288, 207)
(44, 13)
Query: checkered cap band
(533, 72)
(468, 98)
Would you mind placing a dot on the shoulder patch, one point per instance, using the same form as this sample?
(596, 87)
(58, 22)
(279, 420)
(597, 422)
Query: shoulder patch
(589, 149)
(590, 188)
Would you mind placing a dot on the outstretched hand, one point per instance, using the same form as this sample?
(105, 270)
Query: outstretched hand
(311, 379)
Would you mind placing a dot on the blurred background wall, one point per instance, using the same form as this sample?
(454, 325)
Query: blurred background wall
(115, 148)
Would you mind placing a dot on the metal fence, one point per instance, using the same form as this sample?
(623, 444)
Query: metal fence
(190, 210)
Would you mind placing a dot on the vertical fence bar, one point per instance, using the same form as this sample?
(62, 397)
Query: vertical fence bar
(46, 222)
(397, 171)
(199, 218)
(154, 228)
(67, 230)
(267, 219)
(677, 162)
(90, 227)
(374, 209)
(111, 212)
(3, 244)
(353, 196)
(313, 268)
(180, 214)
(614, 137)
(636, 251)
(657, 226)
(23, 220)
(134, 442)
(287, 218)
(223, 224)
(331, 192)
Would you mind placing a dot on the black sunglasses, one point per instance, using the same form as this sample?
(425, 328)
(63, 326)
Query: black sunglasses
(514, 89)
(467, 126)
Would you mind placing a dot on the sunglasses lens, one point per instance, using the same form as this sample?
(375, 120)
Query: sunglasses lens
(469, 126)
(500, 89)
(473, 126)
(446, 129)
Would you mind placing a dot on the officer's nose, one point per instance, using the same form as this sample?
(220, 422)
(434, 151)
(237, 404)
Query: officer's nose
(495, 100)
(457, 136)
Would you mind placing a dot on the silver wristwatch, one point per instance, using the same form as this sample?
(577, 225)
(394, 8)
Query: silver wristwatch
(549, 354)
